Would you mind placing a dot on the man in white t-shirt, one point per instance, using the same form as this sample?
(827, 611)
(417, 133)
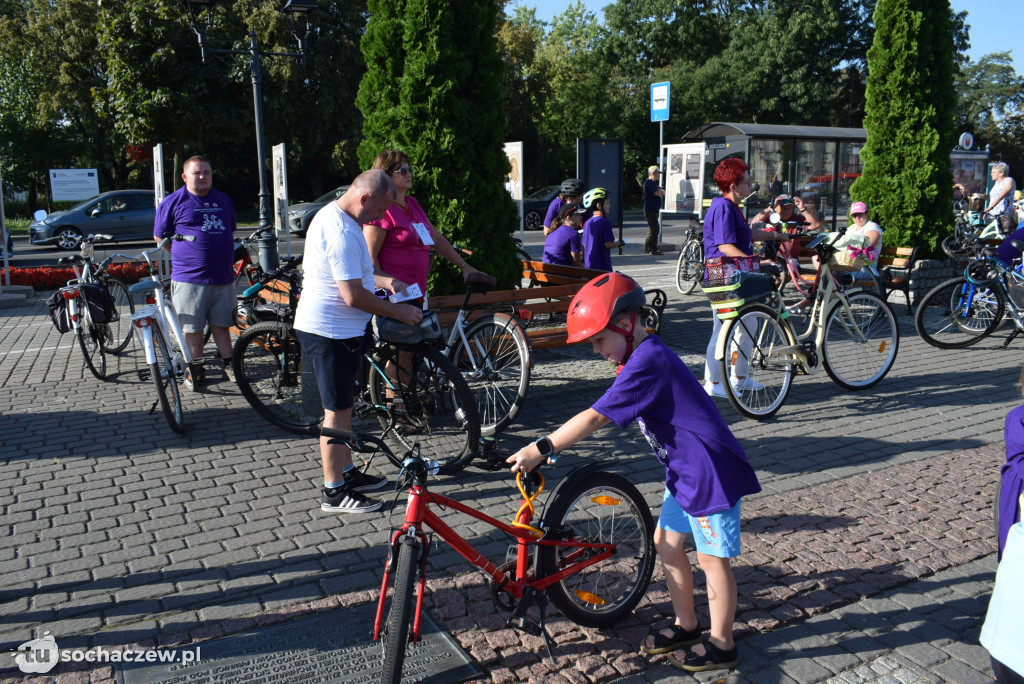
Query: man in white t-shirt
(337, 303)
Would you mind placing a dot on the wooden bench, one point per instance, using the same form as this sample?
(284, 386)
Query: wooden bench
(894, 265)
(551, 291)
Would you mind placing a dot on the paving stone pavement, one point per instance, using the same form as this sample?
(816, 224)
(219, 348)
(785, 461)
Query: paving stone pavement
(867, 557)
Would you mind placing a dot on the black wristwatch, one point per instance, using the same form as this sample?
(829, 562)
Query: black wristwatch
(546, 449)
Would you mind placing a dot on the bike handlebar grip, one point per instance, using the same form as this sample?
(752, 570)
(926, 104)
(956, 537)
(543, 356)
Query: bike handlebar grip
(253, 289)
(106, 263)
(456, 466)
(334, 433)
(480, 278)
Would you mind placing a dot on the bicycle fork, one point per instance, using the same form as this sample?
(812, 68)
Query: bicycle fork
(419, 544)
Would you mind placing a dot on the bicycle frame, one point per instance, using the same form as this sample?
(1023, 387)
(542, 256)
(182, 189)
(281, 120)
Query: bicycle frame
(418, 516)
(162, 311)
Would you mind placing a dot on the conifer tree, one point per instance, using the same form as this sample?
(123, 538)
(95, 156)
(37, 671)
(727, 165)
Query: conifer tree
(909, 117)
(433, 90)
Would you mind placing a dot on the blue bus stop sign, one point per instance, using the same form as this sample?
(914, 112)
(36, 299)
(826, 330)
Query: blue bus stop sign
(659, 101)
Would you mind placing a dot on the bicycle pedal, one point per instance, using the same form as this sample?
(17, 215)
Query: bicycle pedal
(528, 626)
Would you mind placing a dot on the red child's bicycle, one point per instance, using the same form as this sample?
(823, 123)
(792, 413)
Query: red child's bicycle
(592, 553)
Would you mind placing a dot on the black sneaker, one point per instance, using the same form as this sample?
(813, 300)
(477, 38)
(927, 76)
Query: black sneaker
(359, 481)
(345, 500)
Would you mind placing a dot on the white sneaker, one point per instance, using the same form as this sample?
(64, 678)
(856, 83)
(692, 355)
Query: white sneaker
(746, 385)
(715, 389)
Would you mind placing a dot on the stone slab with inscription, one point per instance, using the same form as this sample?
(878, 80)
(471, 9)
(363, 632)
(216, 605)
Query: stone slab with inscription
(333, 647)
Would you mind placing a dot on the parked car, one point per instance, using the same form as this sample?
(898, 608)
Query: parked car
(299, 215)
(124, 214)
(535, 206)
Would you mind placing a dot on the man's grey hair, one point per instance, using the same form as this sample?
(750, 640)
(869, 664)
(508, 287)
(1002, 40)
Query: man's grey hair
(373, 182)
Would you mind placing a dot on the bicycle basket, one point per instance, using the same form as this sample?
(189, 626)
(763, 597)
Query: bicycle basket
(746, 288)
(722, 270)
(982, 272)
(391, 330)
(976, 202)
(849, 253)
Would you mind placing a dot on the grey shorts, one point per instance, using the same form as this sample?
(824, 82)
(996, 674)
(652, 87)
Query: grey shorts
(197, 303)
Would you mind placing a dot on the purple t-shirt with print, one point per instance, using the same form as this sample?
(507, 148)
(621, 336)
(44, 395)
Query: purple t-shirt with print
(559, 245)
(706, 469)
(725, 225)
(596, 232)
(211, 219)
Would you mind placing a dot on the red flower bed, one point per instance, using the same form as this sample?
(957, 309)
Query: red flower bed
(47, 278)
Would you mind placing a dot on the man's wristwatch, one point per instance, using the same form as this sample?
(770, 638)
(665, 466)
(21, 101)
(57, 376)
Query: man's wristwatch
(546, 449)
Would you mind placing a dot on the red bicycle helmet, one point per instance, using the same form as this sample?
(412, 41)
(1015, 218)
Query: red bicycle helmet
(599, 301)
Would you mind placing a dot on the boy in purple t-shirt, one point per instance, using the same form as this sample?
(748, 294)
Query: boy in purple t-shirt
(706, 469)
(598, 234)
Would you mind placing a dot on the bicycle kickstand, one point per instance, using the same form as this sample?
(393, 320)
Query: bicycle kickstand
(1016, 331)
(519, 620)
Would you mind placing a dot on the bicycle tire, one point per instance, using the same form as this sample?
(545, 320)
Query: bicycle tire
(853, 360)
(395, 635)
(121, 329)
(267, 360)
(90, 340)
(166, 383)
(501, 376)
(769, 375)
(690, 267)
(956, 314)
(603, 507)
(439, 412)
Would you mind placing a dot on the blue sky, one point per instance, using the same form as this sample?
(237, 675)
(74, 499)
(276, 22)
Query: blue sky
(991, 21)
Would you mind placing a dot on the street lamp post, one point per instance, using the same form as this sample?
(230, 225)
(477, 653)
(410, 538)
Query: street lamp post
(200, 18)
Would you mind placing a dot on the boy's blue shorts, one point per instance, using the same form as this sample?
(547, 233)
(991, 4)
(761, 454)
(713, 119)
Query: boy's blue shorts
(716, 535)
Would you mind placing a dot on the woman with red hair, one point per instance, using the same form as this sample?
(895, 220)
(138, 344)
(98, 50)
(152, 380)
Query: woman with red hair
(728, 237)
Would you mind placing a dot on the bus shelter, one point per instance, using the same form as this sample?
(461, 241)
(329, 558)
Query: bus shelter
(816, 163)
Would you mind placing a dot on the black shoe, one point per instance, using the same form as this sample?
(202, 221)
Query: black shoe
(656, 252)
(345, 500)
(359, 481)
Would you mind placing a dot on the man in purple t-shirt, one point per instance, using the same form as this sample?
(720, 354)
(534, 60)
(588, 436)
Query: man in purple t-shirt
(202, 283)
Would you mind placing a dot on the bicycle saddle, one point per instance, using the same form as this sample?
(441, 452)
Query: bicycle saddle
(75, 259)
(144, 286)
(480, 281)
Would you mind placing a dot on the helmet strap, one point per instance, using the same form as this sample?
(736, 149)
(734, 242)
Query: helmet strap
(628, 334)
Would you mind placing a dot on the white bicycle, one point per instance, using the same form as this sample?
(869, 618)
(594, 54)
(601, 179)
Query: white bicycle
(160, 334)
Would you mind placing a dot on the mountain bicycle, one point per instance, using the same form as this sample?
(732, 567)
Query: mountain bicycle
(851, 334)
(690, 267)
(160, 335)
(117, 332)
(418, 397)
(591, 554)
(493, 355)
(965, 310)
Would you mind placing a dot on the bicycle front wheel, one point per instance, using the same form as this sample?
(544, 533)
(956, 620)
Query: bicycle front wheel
(162, 372)
(757, 367)
(958, 313)
(395, 635)
(861, 341)
(429, 401)
(120, 329)
(603, 508)
(91, 342)
(690, 267)
(496, 366)
(267, 360)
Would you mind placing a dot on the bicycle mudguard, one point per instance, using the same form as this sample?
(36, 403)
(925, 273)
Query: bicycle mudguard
(569, 480)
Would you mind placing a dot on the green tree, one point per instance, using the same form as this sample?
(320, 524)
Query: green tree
(988, 90)
(433, 89)
(909, 117)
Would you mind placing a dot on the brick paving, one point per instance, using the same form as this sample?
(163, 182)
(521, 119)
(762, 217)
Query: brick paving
(868, 557)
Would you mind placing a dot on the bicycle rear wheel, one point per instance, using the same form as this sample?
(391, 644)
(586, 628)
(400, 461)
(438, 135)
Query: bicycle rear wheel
(120, 330)
(91, 341)
(267, 360)
(861, 341)
(957, 313)
(603, 508)
(690, 267)
(162, 373)
(437, 411)
(496, 366)
(395, 635)
(754, 351)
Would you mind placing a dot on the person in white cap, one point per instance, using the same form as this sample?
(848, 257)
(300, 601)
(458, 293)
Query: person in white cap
(653, 192)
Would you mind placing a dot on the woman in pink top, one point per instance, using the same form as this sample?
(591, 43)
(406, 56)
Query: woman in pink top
(401, 241)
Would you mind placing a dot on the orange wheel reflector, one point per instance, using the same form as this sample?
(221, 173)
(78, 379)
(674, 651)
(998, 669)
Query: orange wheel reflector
(881, 347)
(733, 358)
(606, 500)
(587, 597)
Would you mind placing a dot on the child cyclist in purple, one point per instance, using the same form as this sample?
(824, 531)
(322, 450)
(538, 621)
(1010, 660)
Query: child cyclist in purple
(562, 245)
(598, 234)
(706, 469)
